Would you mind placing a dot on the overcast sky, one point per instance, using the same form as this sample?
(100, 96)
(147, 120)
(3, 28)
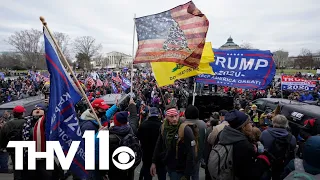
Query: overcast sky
(268, 25)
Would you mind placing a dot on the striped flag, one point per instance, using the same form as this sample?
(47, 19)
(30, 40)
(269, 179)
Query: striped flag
(116, 78)
(99, 83)
(177, 35)
(90, 81)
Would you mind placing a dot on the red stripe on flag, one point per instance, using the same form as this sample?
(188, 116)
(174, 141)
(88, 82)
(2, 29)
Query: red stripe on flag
(195, 36)
(179, 8)
(66, 108)
(203, 24)
(57, 69)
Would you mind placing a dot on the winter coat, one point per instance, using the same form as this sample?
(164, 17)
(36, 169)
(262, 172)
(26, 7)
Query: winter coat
(148, 134)
(268, 136)
(186, 156)
(311, 158)
(202, 136)
(11, 131)
(245, 164)
(88, 122)
(215, 131)
(117, 132)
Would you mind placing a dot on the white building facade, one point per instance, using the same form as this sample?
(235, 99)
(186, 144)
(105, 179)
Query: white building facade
(117, 60)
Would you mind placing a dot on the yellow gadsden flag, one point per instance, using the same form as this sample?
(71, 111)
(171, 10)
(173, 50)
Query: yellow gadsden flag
(167, 72)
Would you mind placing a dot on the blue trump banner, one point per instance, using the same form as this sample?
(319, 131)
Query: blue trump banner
(247, 69)
(61, 122)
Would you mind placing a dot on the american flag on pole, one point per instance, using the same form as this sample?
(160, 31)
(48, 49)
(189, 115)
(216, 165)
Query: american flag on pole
(177, 35)
(90, 81)
(116, 78)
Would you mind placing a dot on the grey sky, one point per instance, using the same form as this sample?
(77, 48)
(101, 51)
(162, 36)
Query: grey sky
(268, 25)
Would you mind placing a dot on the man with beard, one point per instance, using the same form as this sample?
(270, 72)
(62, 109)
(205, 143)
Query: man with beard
(178, 156)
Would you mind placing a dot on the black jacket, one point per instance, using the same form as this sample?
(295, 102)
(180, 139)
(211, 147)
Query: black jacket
(246, 165)
(148, 134)
(186, 154)
(115, 173)
(11, 131)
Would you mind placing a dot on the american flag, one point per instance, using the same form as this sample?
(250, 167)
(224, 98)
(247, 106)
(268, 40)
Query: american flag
(90, 81)
(99, 83)
(116, 78)
(177, 35)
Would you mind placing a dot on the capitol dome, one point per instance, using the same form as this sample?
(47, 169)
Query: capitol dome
(230, 44)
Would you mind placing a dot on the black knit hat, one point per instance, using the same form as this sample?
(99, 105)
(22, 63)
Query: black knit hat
(192, 112)
(236, 119)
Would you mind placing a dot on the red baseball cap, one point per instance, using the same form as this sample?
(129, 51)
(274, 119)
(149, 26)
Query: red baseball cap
(19, 109)
(99, 103)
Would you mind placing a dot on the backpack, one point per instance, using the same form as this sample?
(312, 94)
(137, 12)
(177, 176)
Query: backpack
(280, 150)
(131, 141)
(299, 173)
(195, 131)
(220, 163)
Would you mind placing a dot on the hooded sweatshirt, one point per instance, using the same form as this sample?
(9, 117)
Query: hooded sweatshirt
(268, 136)
(93, 124)
(245, 164)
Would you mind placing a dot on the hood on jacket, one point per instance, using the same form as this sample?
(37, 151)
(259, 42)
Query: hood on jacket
(278, 132)
(311, 153)
(230, 135)
(87, 115)
(154, 119)
(121, 130)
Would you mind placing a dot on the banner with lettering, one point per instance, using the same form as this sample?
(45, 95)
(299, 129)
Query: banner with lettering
(247, 69)
(297, 84)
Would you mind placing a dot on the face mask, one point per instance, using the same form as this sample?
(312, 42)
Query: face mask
(101, 114)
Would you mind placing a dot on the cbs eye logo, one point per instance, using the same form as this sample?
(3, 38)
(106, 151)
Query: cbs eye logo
(123, 158)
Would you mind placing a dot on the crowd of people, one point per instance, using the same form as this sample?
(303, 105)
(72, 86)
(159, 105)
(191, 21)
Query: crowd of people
(168, 141)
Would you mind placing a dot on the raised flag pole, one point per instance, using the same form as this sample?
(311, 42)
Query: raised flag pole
(69, 68)
(194, 92)
(134, 33)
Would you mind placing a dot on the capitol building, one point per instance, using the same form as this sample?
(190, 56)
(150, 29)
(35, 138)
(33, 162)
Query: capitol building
(230, 44)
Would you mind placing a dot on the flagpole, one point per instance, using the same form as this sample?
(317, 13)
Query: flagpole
(69, 68)
(194, 92)
(134, 33)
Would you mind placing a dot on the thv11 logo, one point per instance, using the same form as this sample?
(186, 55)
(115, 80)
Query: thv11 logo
(123, 157)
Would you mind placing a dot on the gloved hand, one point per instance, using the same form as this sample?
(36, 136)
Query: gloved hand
(185, 177)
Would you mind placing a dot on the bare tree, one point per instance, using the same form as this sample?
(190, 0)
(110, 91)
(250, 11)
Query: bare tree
(304, 59)
(280, 57)
(63, 42)
(27, 42)
(87, 46)
(246, 45)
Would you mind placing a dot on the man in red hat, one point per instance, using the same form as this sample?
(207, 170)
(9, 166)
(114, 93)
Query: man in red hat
(12, 131)
(103, 111)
